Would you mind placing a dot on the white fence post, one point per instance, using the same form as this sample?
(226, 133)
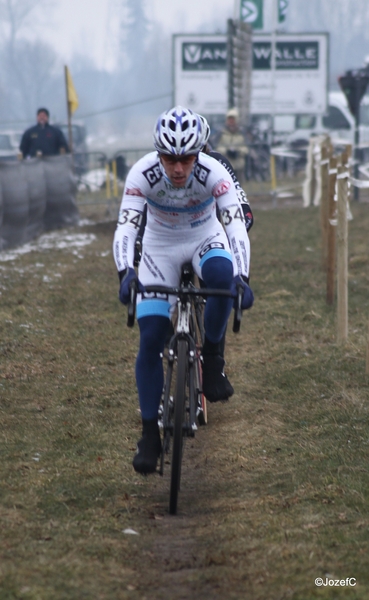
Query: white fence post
(342, 254)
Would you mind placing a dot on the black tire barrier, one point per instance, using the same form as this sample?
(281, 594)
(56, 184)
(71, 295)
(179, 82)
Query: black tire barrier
(36, 195)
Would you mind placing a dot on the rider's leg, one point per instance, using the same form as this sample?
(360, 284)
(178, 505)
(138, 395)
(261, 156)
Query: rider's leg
(149, 378)
(153, 315)
(149, 366)
(217, 272)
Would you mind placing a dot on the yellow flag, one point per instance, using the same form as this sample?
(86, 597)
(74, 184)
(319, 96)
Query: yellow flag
(71, 92)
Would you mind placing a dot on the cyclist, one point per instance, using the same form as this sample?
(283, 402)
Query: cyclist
(246, 208)
(182, 188)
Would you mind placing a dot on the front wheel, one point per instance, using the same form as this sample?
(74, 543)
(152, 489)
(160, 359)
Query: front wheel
(202, 413)
(179, 417)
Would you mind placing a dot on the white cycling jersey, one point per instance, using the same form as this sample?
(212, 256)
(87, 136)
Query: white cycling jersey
(186, 213)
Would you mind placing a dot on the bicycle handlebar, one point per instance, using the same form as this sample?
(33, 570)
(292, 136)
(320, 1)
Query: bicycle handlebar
(188, 291)
(183, 292)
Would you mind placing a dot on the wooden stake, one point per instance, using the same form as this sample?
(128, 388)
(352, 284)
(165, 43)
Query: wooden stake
(273, 177)
(342, 255)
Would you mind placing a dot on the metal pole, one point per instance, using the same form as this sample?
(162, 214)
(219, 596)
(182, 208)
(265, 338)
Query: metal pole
(108, 186)
(115, 180)
(230, 34)
(237, 9)
(273, 62)
(357, 150)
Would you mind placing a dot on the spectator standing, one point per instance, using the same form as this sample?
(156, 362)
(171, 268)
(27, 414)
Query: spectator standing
(232, 144)
(43, 138)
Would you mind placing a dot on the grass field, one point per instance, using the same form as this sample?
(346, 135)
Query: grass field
(275, 490)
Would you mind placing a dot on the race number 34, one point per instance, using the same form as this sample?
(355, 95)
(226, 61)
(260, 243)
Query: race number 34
(228, 217)
(130, 216)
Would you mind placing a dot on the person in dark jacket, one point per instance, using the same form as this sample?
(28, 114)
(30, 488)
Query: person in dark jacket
(43, 139)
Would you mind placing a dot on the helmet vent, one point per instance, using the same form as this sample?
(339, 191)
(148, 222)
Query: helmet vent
(180, 131)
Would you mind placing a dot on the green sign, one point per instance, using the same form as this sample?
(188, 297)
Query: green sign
(282, 10)
(251, 11)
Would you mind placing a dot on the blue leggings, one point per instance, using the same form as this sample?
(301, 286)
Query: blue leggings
(217, 272)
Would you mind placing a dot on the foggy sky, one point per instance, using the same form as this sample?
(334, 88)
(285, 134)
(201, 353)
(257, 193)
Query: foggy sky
(87, 35)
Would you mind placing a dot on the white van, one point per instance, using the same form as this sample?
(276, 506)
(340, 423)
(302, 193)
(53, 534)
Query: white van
(338, 122)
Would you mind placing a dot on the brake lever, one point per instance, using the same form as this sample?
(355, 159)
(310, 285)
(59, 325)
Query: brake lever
(238, 310)
(132, 303)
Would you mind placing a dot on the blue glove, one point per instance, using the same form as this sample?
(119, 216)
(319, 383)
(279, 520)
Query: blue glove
(248, 296)
(124, 291)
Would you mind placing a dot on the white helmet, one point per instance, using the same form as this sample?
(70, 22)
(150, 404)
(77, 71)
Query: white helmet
(205, 130)
(179, 131)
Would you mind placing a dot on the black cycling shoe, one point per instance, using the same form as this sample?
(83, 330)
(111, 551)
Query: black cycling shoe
(148, 448)
(215, 384)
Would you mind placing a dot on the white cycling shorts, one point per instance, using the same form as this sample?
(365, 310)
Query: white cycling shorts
(162, 259)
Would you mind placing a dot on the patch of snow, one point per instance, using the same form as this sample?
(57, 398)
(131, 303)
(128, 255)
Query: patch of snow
(57, 240)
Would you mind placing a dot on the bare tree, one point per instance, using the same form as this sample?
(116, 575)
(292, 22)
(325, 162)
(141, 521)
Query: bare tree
(16, 15)
(25, 64)
(347, 23)
(133, 33)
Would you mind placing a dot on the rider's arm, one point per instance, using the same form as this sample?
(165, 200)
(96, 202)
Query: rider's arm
(246, 208)
(234, 223)
(129, 220)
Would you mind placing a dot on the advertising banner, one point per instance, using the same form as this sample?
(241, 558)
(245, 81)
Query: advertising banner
(200, 73)
(299, 81)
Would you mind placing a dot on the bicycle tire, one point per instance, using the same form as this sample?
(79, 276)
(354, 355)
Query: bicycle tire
(179, 413)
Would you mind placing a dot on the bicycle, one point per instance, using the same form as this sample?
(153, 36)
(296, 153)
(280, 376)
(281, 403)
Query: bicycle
(183, 405)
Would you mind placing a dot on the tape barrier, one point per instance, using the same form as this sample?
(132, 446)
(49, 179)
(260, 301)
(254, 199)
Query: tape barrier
(284, 152)
(364, 169)
(359, 183)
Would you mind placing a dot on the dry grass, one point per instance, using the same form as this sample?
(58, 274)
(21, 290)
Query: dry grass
(275, 489)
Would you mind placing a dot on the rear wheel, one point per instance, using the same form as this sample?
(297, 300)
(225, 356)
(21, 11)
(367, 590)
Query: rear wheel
(179, 419)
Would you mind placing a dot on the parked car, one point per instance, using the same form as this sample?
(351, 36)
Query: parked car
(338, 122)
(9, 144)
